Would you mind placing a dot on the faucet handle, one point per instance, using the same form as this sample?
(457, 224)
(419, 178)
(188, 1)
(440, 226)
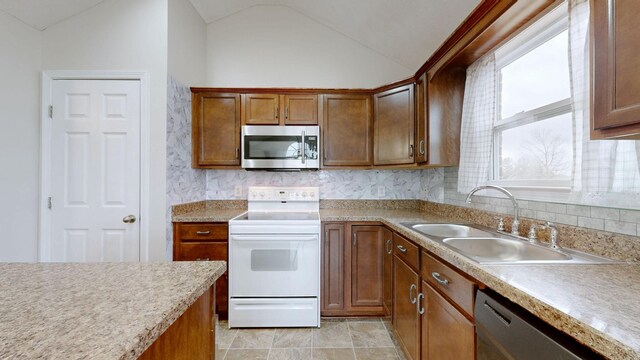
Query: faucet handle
(533, 236)
(553, 237)
(500, 223)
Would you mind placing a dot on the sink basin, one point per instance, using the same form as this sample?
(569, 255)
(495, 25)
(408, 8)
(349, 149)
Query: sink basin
(449, 230)
(499, 250)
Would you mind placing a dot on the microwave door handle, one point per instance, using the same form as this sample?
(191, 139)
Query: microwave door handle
(302, 146)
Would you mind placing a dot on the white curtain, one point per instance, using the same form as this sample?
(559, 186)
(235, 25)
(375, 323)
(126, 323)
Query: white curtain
(478, 118)
(603, 170)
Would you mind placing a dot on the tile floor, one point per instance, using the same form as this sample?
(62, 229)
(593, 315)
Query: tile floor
(336, 339)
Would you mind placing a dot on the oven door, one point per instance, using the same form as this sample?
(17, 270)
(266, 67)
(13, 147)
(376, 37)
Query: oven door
(274, 266)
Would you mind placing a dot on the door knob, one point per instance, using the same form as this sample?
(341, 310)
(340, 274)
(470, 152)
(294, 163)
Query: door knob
(129, 219)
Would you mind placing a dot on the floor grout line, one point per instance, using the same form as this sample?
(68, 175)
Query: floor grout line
(353, 348)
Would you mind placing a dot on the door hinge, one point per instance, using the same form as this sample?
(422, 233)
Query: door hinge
(49, 202)
(51, 111)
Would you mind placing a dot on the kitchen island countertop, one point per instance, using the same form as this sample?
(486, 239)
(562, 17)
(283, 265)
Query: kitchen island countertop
(95, 310)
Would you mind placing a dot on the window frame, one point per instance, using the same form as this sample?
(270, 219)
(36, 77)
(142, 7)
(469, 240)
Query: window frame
(538, 33)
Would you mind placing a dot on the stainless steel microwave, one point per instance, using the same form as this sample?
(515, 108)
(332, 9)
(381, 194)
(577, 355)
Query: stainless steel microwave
(281, 147)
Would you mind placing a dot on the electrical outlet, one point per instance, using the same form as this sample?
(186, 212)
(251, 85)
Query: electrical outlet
(380, 191)
(238, 191)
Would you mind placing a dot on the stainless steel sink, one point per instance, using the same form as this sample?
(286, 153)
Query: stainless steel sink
(486, 246)
(492, 249)
(448, 230)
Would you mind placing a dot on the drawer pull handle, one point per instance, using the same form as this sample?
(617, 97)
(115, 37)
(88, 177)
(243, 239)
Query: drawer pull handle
(205, 259)
(388, 246)
(420, 308)
(436, 276)
(402, 249)
(411, 298)
(203, 232)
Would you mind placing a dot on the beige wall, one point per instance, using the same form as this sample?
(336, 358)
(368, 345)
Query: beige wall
(276, 46)
(187, 47)
(124, 35)
(19, 139)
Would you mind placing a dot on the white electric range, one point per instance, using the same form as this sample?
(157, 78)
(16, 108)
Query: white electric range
(274, 259)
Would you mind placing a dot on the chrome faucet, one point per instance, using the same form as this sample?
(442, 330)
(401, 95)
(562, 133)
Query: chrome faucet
(553, 238)
(515, 226)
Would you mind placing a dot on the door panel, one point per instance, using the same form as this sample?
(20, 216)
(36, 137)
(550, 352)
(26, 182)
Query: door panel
(216, 130)
(333, 267)
(261, 109)
(406, 318)
(300, 109)
(450, 336)
(387, 237)
(394, 126)
(366, 266)
(347, 130)
(95, 162)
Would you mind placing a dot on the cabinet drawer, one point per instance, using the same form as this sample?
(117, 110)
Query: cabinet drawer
(447, 281)
(192, 252)
(202, 232)
(406, 250)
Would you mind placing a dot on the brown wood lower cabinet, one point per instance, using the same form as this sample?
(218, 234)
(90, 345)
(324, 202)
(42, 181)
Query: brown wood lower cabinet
(387, 278)
(191, 336)
(202, 242)
(446, 333)
(352, 269)
(405, 314)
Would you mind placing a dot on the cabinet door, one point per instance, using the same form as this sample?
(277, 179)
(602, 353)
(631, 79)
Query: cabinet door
(405, 314)
(216, 130)
(422, 120)
(261, 109)
(394, 126)
(347, 130)
(387, 286)
(616, 66)
(367, 249)
(333, 267)
(445, 95)
(448, 335)
(300, 109)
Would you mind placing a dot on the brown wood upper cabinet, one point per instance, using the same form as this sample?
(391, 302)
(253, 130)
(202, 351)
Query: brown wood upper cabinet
(422, 121)
(278, 109)
(445, 95)
(347, 130)
(616, 69)
(216, 130)
(394, 126)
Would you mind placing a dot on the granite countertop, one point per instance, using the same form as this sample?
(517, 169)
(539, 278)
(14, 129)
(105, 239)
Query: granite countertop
(98, 310)
(596, 304)
(208, 215)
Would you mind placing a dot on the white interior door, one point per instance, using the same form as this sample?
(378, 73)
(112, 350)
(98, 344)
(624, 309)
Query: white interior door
(95, 170)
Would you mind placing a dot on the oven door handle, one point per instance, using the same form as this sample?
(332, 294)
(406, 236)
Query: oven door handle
(276, 238)
(302, 148)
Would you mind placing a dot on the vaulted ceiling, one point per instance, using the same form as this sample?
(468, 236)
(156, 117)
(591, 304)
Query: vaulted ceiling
(407, 31)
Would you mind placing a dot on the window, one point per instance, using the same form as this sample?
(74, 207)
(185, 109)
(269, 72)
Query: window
(533, 131)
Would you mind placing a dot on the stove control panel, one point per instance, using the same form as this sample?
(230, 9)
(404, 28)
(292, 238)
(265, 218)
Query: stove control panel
(268, 193)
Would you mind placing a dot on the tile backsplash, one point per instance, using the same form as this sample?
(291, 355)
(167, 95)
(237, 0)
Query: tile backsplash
(622, 221)
(334, 184)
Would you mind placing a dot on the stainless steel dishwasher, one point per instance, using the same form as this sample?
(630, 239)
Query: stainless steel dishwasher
(506, 331)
